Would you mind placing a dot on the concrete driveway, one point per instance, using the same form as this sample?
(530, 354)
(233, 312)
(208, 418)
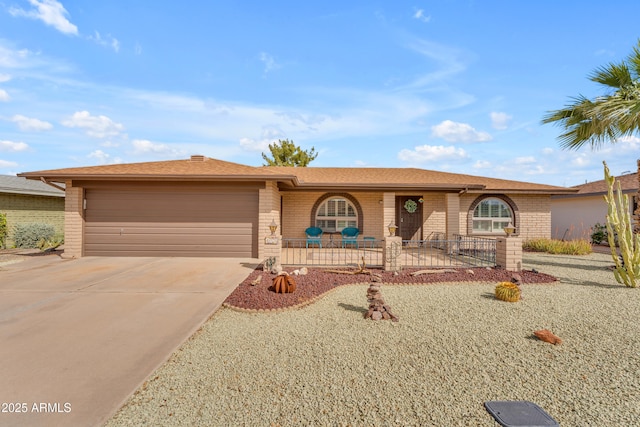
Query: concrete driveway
(78, 337)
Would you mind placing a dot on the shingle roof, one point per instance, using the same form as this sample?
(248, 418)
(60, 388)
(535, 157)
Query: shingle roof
(18, 185)
(202, 168)
(628, 183)
(410, 177)
(196, 167)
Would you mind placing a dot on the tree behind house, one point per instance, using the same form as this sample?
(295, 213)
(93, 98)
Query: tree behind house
(286, 153)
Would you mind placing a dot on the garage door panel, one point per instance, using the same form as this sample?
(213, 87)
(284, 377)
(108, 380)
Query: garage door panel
(167, 216)
(168, 239)
(226, 230)
(153, 222)
(172, 208)
(169, 250)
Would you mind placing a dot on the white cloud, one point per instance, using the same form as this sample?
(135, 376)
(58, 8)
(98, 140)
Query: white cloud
(4, 96)
(110, 144)
(524, 160)
(4, 78)
(137, 49)
(144, 146)
(581, 160)
(507, 171)
(428, 153)
(7, 164)
(629, 142)
(449, 61)
(30, 124)
(482, 164)
(12, 58)
(12, 146)
(253, 145)
(500, 121)
(51, 12)
(419, 15)
(458, 132)
(548, 150)
(95, 126)
(107, 41)
(103, 158)
(269, 135)
(269, 63)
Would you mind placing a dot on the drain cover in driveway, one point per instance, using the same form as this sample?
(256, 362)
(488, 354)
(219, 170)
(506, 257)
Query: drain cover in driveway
(520, 414)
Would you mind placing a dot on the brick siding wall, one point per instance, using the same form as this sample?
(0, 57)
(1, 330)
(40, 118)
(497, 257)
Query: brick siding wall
(269, 210)
(434, 213)
(74, 221)
(23, 209)
(297, 206)
(535, 214)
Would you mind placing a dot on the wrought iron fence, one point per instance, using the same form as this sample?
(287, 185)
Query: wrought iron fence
(297, 252)
(462, 251)
(434, 252)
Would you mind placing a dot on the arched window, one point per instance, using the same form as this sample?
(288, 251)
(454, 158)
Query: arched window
(336, 213)
(491, 215)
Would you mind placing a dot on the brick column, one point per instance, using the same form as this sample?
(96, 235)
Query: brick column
(391, 253)
(509, 253)
(388, 211)
(269, 210)
(73, 221)
(452, 201)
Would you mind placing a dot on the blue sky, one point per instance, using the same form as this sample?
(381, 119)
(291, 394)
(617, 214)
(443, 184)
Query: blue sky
(458, 86)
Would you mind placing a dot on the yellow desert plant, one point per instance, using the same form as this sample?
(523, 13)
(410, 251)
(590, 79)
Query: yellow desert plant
(561, 247)
(508, 291)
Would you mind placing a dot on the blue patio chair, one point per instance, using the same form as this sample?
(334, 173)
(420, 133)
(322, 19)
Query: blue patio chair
(350, 236)
(314, 236)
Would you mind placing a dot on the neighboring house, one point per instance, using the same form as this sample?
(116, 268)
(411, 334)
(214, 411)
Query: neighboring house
(574, 215)
(209, 207)
(26, 201)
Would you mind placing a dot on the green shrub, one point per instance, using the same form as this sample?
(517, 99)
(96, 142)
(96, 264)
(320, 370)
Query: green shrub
(4, 231)
(599, 233)
(553, 246)
(29, 235)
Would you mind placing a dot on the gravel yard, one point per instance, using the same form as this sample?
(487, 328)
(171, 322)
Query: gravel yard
(454, 348)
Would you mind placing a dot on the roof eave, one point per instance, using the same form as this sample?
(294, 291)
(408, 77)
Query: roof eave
(154, 177)
(596, 194)
(327, 186)
(31, 192)
(526, 191)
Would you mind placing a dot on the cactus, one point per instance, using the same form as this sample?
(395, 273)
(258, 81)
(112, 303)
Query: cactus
(284, 284)
(508, 291)
(627, 265)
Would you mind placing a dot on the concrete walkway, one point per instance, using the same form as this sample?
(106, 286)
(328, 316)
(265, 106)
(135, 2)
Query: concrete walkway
(78, 337)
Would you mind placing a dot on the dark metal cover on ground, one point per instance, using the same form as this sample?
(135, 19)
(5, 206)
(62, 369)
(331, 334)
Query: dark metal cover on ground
(519, 414)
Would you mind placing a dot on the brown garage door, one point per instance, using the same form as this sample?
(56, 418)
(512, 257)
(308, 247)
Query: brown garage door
(171, 221)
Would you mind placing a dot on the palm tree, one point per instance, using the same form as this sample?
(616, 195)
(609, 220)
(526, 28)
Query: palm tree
(605, 118)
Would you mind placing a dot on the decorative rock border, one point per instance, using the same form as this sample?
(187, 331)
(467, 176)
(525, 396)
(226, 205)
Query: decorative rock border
(322, 295)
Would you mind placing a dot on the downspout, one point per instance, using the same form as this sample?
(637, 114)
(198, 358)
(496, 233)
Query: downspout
(43, 179)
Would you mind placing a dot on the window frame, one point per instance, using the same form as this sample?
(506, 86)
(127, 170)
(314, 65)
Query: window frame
(337, 210)
(497, 223)
(352, 200)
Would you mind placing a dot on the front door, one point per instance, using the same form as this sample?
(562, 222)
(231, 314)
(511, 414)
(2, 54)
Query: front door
(409, 217)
